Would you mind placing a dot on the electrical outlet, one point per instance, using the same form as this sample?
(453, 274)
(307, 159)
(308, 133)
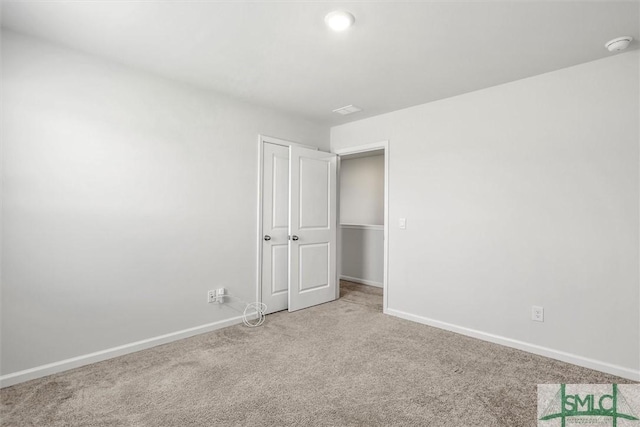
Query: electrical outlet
(211, 296)
(220, 292)
(537, 313)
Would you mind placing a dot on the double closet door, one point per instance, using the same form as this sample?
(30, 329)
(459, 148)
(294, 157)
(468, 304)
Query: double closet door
(298, 227)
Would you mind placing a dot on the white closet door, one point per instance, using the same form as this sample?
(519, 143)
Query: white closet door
(275, 227)
(312, 227)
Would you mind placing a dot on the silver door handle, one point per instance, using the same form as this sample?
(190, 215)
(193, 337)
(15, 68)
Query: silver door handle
(294, 237)
(267, 237)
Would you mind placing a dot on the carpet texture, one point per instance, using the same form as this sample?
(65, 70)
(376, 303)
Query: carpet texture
(342, 363)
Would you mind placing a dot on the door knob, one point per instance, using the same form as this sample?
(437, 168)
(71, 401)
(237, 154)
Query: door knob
(294, 237)
(267, 237)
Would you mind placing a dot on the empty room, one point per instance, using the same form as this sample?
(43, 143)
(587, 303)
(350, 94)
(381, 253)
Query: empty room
(320, 213)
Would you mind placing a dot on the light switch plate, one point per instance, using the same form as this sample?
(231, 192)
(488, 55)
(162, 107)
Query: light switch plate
(403, 223)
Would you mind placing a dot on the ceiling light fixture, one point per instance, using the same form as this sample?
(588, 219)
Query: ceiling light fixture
(339, 20)
(619, 43)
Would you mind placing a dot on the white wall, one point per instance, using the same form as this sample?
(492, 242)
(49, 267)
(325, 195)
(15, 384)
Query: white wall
(125, 198)
(518, 195)
(362, 190)
(362, 254)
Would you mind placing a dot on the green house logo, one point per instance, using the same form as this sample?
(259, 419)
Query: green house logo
(588, 406)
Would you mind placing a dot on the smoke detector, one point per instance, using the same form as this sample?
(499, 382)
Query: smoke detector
(349, 109)
(619, 43)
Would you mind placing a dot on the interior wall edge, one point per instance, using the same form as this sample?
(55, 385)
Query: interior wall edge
(118, 173)
(582, 111)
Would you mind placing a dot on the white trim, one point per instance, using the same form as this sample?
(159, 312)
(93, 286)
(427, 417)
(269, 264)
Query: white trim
(362, 148)
(382, 145)
(259, 215)
(362, 281)
(98, 356)
(363, 227)
(284, 142)
(524, 346)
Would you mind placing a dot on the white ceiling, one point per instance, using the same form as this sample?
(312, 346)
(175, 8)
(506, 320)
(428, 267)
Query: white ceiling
(281, 55)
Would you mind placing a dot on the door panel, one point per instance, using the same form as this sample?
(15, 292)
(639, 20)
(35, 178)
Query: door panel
(279, 269)
(313, 271)
(280, 185)
(312, 227)
(315, 181)
(275, 224)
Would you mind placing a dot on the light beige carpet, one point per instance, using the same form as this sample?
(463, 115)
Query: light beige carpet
(338, 364)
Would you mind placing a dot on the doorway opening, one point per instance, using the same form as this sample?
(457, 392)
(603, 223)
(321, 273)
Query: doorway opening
(299, 243)
(363, 219)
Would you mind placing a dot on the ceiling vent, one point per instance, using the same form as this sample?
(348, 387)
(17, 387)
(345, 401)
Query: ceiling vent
(349, 109)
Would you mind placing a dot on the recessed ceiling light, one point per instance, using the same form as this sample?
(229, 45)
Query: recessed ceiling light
(339, 20)
(349, 109)
(619, 43)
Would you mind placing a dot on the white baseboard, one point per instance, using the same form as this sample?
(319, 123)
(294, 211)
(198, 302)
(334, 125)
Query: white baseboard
(75, 362)
(362, 281)
(585, 362)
